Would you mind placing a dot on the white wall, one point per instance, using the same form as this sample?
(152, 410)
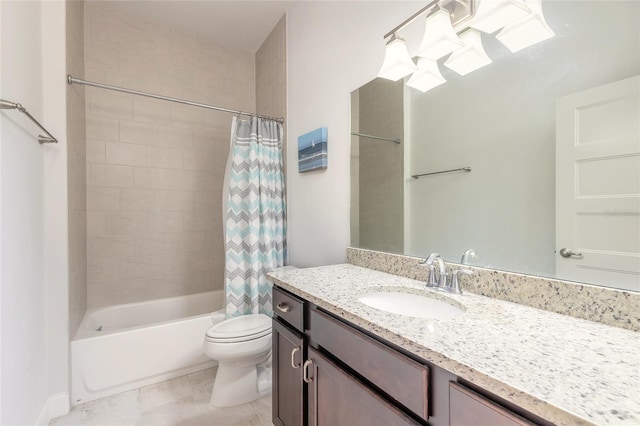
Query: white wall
(33, 261)
(332, 48)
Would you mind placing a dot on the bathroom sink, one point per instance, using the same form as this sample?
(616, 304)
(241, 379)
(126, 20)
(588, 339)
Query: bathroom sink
(411, 305)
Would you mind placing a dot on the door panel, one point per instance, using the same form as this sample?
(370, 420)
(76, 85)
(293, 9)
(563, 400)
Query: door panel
(598, 185)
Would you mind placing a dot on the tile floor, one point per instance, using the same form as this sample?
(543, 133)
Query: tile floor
(183, 401)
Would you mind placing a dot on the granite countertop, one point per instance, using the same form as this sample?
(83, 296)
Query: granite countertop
(566, 370)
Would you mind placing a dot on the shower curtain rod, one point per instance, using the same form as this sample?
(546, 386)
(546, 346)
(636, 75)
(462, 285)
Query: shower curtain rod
(73, 80)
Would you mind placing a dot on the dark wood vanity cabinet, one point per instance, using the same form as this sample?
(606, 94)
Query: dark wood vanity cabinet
(326, 372)
(288, 354)
(338, 398)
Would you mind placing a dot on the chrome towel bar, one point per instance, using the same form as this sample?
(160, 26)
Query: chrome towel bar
(376, 137)
(461, 169)
(4, 104)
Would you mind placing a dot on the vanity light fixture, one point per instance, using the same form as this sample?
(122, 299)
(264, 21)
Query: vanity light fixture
(527, 31)
(397, 62)
(521, 21)
(471, 57)
(439, 38)
(427, 76)
(495, 14)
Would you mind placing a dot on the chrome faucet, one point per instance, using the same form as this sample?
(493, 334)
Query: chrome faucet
(454, 286)
(443, 282)
(442, 271)
(468, 253)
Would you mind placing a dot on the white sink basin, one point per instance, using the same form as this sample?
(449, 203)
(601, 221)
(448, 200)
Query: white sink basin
(411, 305)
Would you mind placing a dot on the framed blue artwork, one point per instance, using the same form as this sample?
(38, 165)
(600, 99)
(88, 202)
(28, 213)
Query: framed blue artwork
(312, 150)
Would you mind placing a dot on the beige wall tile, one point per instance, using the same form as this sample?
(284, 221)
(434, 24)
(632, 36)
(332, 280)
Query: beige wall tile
(175, 136)
(155, 244)
(104, 247)
(105, 103)
(153, 178)
(138, 200)
(175, 201)
(126, 154)
(166, 158)
(202, 160)
(155, 169)
(165, 222)
(146, 267)
(96, 151)
(99, 127)
(96, 223)
(98, 56)
(101, 270)
(151, 111)
(126, 223)
(207, 201)
(103, 199)
(187, 115)
(138, 132)
(111, 176)
(189, 242)
(199, 221)
(193, 181)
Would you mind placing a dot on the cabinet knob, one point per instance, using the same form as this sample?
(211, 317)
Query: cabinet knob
(293, 356)
(305, 371)
(283, 307)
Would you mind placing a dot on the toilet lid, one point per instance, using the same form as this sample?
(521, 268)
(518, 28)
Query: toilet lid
(243, 327)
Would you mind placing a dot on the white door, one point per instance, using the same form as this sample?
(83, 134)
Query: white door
(598, 185)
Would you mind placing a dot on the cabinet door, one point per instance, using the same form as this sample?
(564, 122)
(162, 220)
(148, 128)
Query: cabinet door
(468, 408)
(338, 399)
(288, 386)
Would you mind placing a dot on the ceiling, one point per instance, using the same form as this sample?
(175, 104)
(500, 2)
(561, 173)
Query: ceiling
(239, 25)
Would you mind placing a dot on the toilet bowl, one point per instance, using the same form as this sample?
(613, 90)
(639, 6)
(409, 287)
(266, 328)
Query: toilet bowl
(242, 347)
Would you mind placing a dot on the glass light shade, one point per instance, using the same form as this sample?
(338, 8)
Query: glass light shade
(439, 38)
(427, 76)
(495, 14)
(527, 31)
(397, 62)
(471, 57)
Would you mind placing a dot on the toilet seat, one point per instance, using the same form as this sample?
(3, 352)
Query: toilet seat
(240, 329)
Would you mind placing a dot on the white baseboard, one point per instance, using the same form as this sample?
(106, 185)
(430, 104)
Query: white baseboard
(55, 406)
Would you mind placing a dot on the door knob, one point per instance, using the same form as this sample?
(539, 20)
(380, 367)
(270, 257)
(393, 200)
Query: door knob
(568, 253)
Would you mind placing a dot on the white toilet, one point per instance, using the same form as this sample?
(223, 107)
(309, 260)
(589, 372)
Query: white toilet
(242, 347)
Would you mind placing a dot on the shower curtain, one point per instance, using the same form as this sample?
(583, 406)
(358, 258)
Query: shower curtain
(255, 215)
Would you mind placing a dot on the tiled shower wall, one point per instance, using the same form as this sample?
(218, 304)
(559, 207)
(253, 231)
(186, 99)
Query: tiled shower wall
(271, 73)
(76, 167)
(381, 167)
(155, 169)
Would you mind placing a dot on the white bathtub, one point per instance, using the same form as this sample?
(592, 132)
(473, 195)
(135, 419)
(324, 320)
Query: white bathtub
(125, 347)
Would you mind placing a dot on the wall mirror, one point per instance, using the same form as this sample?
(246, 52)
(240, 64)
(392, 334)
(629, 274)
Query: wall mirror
(551, 135)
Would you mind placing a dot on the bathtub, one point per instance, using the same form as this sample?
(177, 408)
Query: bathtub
(124, 347)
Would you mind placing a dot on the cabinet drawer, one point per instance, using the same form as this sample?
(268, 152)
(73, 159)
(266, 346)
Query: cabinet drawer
(289, 308)
(467, 407)
(404, 379)
(338, 399)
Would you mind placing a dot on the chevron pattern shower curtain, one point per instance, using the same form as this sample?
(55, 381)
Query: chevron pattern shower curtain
(255, 215)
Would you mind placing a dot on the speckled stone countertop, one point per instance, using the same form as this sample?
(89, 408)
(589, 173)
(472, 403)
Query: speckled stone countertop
(566, 370)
